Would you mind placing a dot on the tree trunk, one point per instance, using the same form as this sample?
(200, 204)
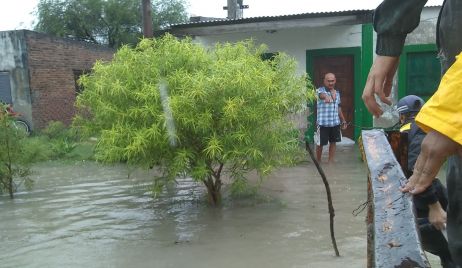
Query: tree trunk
(213, 190)
(147, 19)
(10, 186)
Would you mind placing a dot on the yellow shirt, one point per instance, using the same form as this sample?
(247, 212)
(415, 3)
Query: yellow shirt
(443, 111)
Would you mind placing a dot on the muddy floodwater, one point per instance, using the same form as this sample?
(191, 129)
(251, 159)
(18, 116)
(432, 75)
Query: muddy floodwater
(88, 215)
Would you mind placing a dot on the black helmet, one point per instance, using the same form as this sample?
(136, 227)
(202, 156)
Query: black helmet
(409, 104)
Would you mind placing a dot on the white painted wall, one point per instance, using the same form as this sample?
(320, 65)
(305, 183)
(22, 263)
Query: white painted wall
(430, 14)
(8, 53)
(425, 33)
(295, 42)
(13, 52)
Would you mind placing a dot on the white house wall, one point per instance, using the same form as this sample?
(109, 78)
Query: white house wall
(13, 54)
(295, 42)
(425, 33)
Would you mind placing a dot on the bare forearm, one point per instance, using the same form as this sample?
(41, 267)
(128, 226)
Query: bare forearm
(340, 115)
(437, 216)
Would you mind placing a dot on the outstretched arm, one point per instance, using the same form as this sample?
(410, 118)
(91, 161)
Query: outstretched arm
(326, 98)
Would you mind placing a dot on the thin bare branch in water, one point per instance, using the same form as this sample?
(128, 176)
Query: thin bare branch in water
(329, 198)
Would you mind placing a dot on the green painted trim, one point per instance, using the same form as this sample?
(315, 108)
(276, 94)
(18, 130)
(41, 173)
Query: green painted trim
(356, 53)
(402, 70)
(364, 118)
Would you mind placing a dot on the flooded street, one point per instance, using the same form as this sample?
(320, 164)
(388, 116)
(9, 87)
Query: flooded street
(87, 215)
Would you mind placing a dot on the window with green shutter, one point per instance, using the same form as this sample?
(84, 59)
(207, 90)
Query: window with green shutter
(419, 71)
(423, 73)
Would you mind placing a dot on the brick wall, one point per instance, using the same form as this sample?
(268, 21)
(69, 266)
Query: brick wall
(52, 63)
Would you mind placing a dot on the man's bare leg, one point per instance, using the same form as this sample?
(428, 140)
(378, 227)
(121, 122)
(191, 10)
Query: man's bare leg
(318, 153)
(332, 147)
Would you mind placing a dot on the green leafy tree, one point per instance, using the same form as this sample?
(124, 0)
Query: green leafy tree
(109, 22)
(193, 111)
(14, 161)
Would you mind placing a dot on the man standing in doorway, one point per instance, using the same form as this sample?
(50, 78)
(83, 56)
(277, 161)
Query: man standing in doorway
(329, 117)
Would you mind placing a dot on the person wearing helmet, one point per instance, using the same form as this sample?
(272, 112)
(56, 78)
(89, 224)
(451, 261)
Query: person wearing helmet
(430, 205)
(408, 107)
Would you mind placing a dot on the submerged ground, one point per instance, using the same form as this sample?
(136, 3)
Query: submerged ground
(87, 215)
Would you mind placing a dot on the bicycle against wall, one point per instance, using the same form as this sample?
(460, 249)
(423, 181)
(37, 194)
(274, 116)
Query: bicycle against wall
(18, 123)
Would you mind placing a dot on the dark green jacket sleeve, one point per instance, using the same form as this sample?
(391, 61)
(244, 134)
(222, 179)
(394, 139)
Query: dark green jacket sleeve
(393, 20)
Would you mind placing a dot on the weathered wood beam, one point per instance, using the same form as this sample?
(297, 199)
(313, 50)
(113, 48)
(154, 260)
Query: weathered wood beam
(393, 238)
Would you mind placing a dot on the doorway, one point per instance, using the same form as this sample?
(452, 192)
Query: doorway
(344, 63)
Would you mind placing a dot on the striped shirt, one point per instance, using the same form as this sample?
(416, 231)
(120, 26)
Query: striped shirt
(327, 112)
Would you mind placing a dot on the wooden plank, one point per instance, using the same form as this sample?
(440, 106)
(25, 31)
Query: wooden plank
(393, 239)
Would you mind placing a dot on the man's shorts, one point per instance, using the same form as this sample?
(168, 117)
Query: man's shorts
(328, 135)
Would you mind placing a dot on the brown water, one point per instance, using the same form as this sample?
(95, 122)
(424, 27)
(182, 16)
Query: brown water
(86, 215)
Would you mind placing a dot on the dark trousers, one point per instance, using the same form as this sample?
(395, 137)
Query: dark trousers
(433, 241)
(450, 45)
(454, 217)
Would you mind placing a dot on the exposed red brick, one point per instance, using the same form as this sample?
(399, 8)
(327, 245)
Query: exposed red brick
(51, 63)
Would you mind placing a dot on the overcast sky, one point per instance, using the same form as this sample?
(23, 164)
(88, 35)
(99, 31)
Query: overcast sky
(17, 14)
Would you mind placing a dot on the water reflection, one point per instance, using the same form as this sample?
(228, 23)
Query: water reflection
(86, 215)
